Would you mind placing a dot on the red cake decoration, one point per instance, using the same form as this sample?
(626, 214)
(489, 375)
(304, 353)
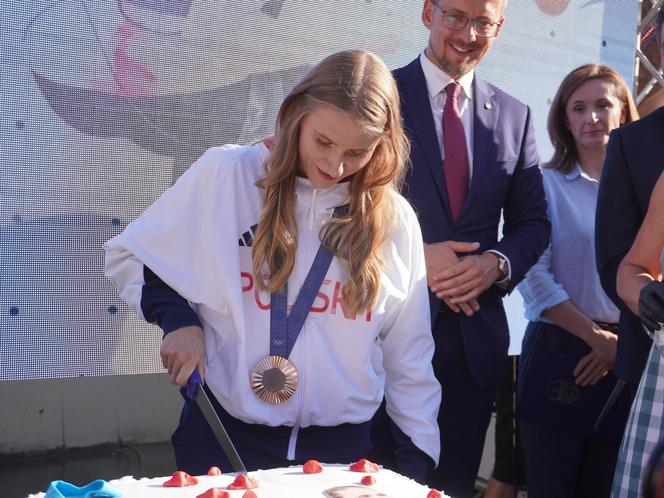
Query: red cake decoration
(214, 471)
(368, 480)
(364, 465)
(243, 481)
(434, 493)
(215, 493)
(180, 480)
(249, 494)
(312, 467)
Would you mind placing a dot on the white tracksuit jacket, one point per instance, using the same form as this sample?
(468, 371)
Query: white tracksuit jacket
(195, 238)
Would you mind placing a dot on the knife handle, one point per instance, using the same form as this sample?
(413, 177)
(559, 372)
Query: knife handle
(194, 381)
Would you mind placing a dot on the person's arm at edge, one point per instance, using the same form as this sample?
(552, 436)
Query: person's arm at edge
(642, 264)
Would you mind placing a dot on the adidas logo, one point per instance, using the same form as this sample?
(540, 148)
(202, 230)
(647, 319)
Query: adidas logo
(247, 237)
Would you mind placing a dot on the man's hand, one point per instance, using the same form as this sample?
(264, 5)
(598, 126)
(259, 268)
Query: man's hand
(443, 255)
(467, 279)
(596, 364)
(182, 351)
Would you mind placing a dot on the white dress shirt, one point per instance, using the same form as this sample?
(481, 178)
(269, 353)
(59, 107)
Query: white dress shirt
(436, 80)
(567, 269)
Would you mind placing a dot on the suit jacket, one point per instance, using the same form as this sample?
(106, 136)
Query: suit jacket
(634, 161)
(505, 178)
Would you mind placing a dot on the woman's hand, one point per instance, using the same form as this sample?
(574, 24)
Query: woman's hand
(604, 343)
(590, 369)
(651, 305)
(182, 351)
(596, 364)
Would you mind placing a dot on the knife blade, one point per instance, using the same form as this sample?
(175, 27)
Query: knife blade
(196, 392)
(617, 389)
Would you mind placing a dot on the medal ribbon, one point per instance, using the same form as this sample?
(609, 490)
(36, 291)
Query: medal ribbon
(285, 329)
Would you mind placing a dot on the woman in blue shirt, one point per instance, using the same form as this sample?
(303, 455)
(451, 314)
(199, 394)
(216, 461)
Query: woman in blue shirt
(572, 320)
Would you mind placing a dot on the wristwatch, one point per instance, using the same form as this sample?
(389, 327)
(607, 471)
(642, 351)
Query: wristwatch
(503, 267)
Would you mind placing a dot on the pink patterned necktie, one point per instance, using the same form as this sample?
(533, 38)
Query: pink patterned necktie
(456, 154)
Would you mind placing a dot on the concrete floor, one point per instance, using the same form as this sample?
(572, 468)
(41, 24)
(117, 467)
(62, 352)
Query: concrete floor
(21, 476)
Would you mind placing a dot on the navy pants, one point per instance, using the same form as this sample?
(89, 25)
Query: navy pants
(464, 415)
(564, 465)
(509, 466)
(260, 446)
(564, 462)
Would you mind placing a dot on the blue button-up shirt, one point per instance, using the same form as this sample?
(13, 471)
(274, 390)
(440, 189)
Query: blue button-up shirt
(567, 269)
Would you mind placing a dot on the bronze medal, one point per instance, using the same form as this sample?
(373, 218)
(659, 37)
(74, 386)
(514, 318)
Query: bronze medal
(273, 379)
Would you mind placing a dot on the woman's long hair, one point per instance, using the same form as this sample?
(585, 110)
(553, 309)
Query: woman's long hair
(565, 154)
(359, 83)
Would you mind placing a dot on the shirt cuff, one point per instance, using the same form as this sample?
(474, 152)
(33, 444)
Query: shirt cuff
(555, 297)
(504, 282)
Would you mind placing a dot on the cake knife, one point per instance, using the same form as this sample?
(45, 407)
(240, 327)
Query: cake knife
(196, 392)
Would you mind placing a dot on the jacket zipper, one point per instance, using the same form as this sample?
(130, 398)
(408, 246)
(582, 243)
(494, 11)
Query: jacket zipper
(312, 208)
(292, 442)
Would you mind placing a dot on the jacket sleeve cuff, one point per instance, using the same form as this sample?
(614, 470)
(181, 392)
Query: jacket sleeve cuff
(412, 461)
(163, 306)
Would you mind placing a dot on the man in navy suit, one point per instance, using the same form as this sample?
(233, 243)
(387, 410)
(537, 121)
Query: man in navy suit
(468, 269)
(634, 161)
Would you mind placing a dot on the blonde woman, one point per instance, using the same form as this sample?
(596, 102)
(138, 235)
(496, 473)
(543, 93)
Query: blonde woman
(234, 247)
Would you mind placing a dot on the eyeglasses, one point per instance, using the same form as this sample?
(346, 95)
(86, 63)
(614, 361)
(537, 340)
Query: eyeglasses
(457, 22)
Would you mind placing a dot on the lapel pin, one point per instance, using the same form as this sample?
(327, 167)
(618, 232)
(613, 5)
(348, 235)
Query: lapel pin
(488, 106)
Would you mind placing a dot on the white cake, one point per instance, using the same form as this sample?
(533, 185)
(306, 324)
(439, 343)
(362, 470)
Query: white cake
(290, 482)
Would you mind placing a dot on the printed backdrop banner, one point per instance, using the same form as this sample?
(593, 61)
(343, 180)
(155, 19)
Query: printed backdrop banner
(105, 103)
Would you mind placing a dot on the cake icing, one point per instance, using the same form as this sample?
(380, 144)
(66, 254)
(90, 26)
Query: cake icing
(335, 481)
